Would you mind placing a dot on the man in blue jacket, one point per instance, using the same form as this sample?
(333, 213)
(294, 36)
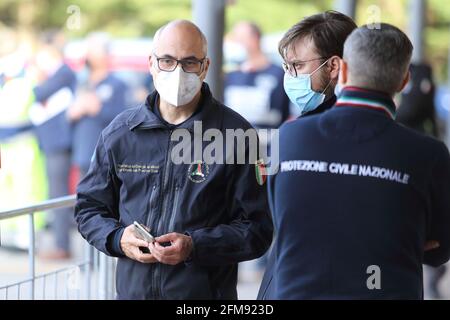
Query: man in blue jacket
(255, 90)
(53, 96)
(360, 202)
(99, 100)
(206, 216)
(311, 49)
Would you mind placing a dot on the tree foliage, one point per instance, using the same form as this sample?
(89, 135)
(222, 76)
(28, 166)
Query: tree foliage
(135, 18)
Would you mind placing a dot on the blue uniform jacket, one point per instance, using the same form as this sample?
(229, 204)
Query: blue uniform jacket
(267, 287)
(222, 207)
(112, 92)
(356, 199)
(55, 135)
(258, 96)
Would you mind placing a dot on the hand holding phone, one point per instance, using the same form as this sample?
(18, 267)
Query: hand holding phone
(134, 247)
(142, 233)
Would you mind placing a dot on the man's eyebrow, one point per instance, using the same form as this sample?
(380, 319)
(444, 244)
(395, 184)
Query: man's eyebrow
(297, 61)
(168, 56)
(190, 58)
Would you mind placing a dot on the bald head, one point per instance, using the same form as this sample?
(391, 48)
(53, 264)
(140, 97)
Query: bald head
(183, 41)
(98, 45)
(182, 33)
(249, 28)
(248, 34)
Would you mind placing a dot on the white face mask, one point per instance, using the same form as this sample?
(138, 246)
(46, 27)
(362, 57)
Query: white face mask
(177, 87)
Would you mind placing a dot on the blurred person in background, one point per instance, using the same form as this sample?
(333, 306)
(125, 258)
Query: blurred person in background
(417, 111)
(311, 49)
(256, 90)
(22, 174)
(99, 99)
(53, 95)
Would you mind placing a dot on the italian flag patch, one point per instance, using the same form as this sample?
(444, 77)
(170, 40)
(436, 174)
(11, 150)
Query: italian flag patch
(260, 170)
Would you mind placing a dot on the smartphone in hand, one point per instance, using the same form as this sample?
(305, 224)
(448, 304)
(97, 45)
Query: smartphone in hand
(142, 233)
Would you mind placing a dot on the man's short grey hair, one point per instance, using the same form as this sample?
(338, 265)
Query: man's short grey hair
(187, 22)
(378, 59)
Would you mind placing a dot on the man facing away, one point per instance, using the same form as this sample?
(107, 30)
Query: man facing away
(360, 202)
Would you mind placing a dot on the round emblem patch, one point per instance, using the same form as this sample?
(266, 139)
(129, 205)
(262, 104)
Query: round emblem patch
(198, 172)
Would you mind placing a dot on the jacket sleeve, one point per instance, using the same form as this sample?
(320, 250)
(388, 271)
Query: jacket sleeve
(248, 235)
(61, 79)
(114, 104)
(280, 101)
(439, 223)
(96, 210)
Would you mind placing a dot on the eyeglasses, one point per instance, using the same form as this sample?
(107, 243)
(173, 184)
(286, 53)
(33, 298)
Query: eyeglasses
(291, 68)
(189, 65)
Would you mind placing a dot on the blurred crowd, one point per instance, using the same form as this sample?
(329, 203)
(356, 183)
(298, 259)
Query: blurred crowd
(55, 100)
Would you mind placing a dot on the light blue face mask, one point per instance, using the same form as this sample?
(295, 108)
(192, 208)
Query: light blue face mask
(338, 89)
(300, 92)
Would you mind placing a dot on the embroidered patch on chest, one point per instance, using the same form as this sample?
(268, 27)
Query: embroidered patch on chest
(137, 168)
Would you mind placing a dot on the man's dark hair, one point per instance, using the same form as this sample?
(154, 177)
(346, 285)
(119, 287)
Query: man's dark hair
(53, 38)
(328, 30)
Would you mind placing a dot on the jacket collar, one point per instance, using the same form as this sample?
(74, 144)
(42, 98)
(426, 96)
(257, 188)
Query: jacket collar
(369, 99)
(144, 118)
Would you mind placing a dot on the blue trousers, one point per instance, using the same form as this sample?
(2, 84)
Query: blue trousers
(58, 168)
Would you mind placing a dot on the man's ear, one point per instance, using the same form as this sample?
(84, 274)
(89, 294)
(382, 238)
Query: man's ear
(343, 72)
(334, 67)
(405, 81)
(150, 64)
(205, 69)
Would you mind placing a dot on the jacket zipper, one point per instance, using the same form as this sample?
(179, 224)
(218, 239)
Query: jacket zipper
(166, 174)
(174, 211)
(149, 216)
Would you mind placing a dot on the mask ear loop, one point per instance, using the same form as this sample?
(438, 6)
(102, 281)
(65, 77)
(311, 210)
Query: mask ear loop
(203, 67)
(319, 67)
(328, 85)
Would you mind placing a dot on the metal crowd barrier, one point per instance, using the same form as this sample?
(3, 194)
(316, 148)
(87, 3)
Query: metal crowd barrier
(96, 273)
